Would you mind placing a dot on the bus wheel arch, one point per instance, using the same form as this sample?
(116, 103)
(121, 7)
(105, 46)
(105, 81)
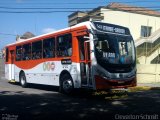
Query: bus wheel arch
(22, 79)
(66, 84)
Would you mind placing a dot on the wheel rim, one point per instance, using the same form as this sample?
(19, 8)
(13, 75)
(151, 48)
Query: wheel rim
(67, 85)
(23, 81)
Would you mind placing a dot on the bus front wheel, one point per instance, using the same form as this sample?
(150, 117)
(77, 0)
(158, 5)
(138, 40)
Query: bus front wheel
(23, 81)
(66, 84)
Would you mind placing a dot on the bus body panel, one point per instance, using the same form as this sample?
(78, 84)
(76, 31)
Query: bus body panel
(103, 83)
(48, 73)
(8, 71)
(9, 64)
(83, 71)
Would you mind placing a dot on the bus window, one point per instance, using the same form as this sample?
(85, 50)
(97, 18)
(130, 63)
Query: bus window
(18, 53)
(37, 50)
(81, 41)
(49, 48)
(64, 45)
(7, 52)
(26, 52)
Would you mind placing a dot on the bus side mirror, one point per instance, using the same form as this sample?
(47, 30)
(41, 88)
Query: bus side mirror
(86, 37)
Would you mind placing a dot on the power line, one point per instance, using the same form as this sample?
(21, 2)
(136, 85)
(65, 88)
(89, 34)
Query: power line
(72, 3)
(59, 3)
(46, 8)
(8, 34)
(65, 11)
(59, 9)
(40, 8)
(62, 3)
(34, 11)
(67, 8)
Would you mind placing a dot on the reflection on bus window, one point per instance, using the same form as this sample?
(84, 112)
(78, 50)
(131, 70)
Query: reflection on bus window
(126, 52)
(18, 53)
(114, 50)
(103, 46)
(37, 50)
(49, 48)
(81, 41)
(7, 52)
(64, 45)
(26, 52)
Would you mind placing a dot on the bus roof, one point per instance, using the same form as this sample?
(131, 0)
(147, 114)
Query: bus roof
(99, 26)
(87, 24)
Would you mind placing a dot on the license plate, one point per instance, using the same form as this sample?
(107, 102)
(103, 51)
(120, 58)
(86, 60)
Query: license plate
(120, 82)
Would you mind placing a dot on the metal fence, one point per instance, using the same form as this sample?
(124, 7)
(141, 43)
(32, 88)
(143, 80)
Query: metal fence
(149, 53)
(148, 62)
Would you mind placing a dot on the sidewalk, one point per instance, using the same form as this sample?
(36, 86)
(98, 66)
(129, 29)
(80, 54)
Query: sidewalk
(149, 84)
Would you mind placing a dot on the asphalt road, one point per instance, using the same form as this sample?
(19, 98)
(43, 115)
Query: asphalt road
(45, 102)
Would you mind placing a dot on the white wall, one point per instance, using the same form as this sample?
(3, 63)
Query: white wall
(148, 59)
(148, 73)
(131, 20)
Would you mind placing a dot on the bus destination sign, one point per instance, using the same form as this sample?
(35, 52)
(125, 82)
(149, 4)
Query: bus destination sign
(105, 27)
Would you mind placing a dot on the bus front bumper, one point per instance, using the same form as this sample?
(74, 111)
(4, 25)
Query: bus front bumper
(102, 83)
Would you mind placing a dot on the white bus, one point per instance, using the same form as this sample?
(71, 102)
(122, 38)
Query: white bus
(92, 55)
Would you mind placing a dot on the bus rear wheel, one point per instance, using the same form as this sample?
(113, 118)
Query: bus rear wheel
(66, 84)
(23, 81)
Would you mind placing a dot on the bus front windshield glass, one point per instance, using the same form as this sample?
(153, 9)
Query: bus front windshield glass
(114, 50)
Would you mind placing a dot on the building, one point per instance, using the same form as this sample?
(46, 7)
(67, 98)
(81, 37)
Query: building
(144, 25)
(142, 22)
(74, 17)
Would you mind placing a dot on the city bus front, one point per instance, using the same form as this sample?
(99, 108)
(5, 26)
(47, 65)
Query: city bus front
(115, 57)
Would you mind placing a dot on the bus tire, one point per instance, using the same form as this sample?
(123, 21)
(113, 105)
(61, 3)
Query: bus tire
(66, 84)
(23, 80)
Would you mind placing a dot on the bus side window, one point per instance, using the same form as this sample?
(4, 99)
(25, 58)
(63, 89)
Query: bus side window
(18, 53)
(37, 50)
(64, 45)
(26, 52)
(81, 41)
(6, 56)
(49, 48)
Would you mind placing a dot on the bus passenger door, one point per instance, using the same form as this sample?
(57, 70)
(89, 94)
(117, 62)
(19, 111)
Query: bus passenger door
(88, 62)
(12, 65)
(85, 62)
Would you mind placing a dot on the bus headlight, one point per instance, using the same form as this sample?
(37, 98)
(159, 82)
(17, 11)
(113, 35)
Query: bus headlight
(102, 74)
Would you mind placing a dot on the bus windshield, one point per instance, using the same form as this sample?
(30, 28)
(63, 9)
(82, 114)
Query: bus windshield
(114, 50)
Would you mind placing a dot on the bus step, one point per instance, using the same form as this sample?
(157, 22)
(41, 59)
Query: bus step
(12, 81)
(87, 86)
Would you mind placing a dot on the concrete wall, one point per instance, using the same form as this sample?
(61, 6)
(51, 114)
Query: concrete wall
(148, 59)
(148, 73)
(131, 20)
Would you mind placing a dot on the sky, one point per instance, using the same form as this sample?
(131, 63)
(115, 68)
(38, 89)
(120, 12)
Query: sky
(20, 16)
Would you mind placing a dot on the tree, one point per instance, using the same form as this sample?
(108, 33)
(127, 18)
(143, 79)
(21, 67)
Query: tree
(27, 35)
